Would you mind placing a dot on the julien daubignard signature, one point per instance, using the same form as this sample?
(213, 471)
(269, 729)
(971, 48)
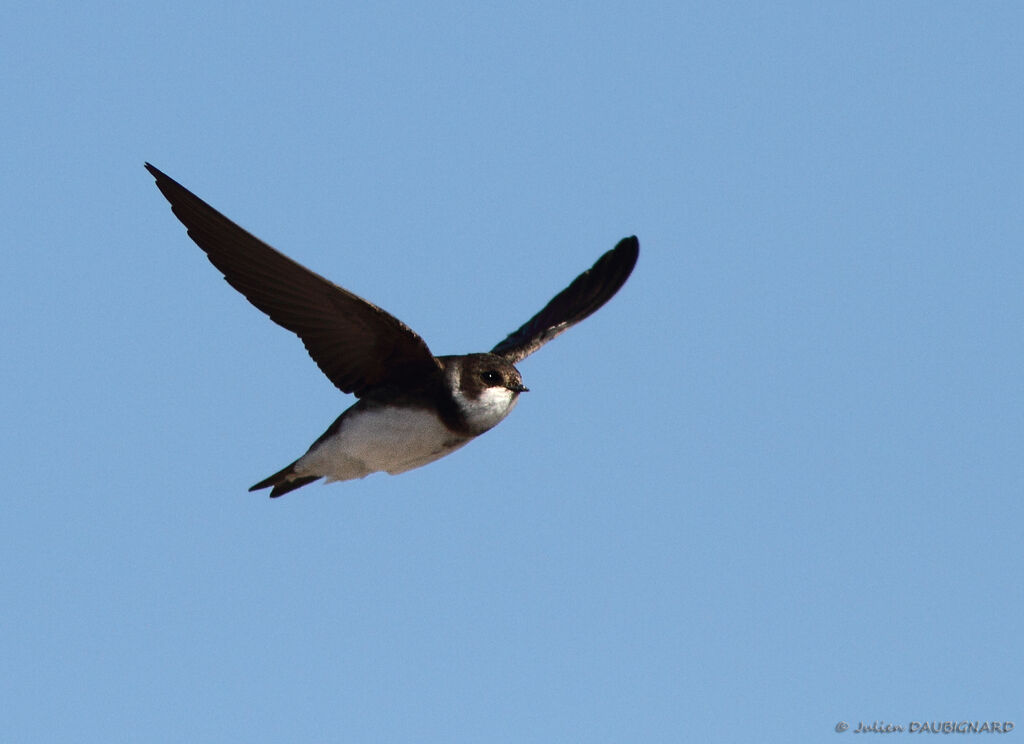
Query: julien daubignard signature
(930, 727)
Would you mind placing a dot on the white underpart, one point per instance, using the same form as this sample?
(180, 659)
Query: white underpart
(485, 412)
(380, 439)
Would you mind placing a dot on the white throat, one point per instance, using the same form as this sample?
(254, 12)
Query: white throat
(487, 410)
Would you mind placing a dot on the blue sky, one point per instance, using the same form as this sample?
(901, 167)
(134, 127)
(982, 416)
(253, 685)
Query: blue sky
(774, 484)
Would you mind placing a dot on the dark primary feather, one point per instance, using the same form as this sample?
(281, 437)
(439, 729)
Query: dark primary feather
(355, 343)
(588, 292)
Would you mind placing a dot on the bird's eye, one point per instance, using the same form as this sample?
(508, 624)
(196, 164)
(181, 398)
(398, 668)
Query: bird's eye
(491, 377)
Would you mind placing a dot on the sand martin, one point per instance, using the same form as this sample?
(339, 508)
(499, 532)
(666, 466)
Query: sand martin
(413, 407)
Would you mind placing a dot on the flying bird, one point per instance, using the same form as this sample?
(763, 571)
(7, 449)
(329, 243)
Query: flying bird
(413, 407)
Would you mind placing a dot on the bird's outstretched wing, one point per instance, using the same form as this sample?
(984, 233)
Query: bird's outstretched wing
(585, 295)
(355, 343)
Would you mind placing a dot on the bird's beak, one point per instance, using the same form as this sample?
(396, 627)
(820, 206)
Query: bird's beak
(520, 389)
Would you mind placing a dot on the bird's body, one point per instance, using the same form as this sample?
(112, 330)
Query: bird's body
(394, 432)
(413, 407)
(379, 438)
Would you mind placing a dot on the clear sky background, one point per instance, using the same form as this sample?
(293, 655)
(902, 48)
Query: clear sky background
(774, 484)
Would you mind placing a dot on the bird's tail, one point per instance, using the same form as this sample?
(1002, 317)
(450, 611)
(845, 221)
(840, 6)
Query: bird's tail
(284, 481)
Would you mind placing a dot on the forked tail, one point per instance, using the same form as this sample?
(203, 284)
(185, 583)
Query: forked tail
(284, 481)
